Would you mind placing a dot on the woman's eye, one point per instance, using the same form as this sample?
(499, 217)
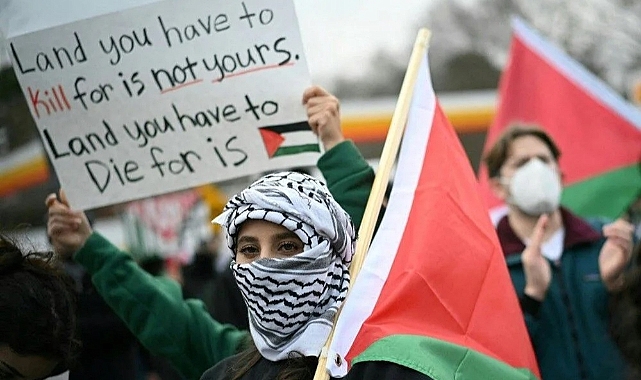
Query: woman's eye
(248, 250)
(290, 246)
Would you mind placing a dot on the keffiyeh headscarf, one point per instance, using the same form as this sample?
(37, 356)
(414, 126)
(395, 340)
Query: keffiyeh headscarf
(292, 301)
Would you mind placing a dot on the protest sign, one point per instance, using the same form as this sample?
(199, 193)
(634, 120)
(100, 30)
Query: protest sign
(167, 96)
(169, 225)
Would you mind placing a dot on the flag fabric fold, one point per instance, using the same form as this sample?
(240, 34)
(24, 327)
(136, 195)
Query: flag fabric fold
(434, 293)
(597, 131)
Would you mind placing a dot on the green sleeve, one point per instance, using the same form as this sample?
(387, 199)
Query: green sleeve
(154, 310)
(349, 178)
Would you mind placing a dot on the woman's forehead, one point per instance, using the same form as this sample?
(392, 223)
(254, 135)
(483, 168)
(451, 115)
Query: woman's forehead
(259, 226)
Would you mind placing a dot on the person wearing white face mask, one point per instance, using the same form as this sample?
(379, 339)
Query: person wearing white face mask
(535, 188)
(562, 266)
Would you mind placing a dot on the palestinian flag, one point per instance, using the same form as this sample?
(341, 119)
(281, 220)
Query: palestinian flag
(597, 131)
(286, 139)
(434, 292)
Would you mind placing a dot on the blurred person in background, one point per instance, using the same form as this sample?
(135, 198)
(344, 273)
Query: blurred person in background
(109, 349)
(564, 268)
(37, 315)
(200, 274)
(206, 279)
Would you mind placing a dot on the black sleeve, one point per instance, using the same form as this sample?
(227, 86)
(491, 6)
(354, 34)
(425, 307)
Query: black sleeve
(383, 370)
(530, 305)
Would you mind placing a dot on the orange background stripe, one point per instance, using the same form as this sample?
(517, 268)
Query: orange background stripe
(29, 174)
(373, 128)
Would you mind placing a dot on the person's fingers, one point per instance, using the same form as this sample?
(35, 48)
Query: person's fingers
(539, 231)
(51, 199)
(59, 209)
(56, 227)
(324, 109)
(63, 198)
(312, 92)
(330, 99)
(623, 244)
(314, 109)
(314, 128)
(59, 213)
(325, 104)
(64, 219)
(59, 226)
(318, 121)
(69, 217)
(619, 234)
(619, 228)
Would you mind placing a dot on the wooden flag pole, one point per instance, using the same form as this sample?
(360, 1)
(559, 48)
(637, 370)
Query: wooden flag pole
(388, 157)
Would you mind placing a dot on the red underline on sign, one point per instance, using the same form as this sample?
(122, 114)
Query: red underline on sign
(253, 70)
(181, 86)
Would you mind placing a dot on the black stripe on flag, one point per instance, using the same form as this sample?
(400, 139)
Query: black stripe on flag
(293, 127)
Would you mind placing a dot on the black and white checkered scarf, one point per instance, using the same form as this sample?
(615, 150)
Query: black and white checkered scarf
(292, 301)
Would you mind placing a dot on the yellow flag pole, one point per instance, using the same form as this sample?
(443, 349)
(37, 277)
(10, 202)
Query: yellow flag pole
(388, 157)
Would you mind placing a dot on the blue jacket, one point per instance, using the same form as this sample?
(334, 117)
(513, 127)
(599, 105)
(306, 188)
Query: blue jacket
(570, 328)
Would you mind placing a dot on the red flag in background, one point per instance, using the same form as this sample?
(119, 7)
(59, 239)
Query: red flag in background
(434, 293)
(598, 133)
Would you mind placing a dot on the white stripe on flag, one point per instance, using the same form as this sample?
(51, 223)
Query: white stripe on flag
(378, 263)
(299, 138)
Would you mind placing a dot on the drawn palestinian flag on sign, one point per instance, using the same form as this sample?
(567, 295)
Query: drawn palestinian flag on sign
(287, 139)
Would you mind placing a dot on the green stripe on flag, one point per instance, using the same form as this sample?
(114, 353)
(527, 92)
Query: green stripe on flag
(440, 360)
(606, 195)
(287, 150)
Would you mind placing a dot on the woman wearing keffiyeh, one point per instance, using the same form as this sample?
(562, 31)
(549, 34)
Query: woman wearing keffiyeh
(292, 244)
(293, 286)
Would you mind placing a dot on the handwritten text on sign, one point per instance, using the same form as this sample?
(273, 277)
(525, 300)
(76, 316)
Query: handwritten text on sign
(168, 96)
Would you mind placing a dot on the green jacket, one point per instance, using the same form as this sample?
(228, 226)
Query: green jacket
(570, 328)
(183, 331)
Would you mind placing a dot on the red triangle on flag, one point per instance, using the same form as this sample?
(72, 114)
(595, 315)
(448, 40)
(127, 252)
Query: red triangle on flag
(272, 140)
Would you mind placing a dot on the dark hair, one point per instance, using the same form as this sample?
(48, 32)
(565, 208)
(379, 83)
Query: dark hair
(625, 321)
(298, 367)
(37, 303)
(497, 155)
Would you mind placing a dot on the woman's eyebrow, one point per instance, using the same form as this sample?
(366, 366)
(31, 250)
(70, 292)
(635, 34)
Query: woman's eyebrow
(247, 239)
(13, 371)
(286, 235)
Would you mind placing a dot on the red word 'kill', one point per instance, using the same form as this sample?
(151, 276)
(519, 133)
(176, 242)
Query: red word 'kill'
(48, 101)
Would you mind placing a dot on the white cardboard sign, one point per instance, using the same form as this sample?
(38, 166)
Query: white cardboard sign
(167, 96)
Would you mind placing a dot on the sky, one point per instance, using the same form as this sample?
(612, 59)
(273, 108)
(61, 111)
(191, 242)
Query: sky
(338, 35)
